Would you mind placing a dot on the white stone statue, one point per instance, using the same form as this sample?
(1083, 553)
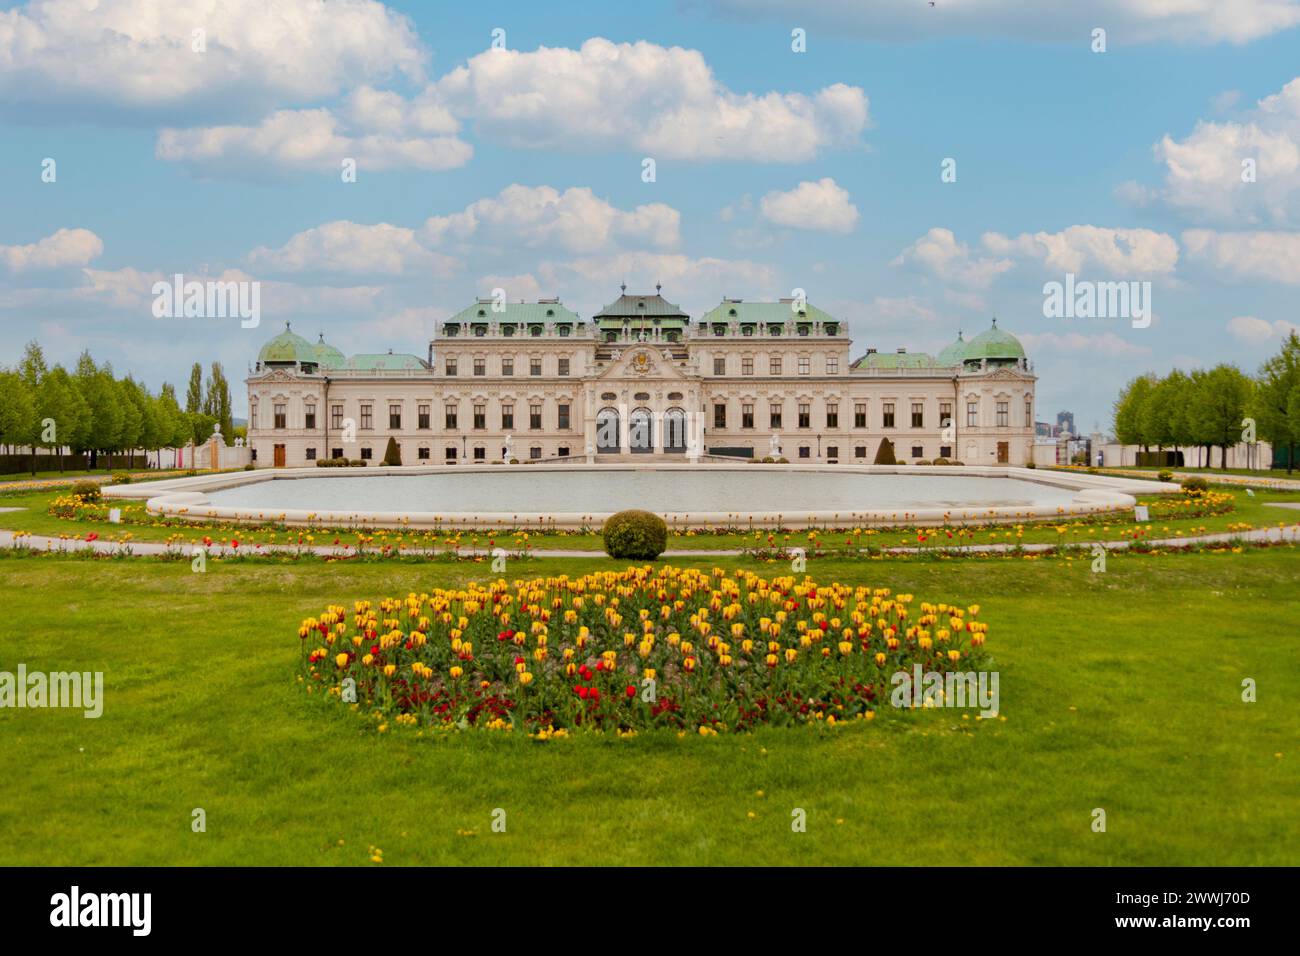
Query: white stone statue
(774, 445)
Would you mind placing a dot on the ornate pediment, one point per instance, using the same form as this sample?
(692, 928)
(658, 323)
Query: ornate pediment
(645, 362)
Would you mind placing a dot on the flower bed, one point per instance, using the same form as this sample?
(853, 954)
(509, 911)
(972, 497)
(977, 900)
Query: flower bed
(641, 648)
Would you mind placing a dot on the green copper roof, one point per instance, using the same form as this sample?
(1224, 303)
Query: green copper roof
(368, 361)
(953, 354)
(891, 360)
(994, 344)
(765, 313)
(635, 307)
(525, 312)
(287, 347)
(327, 356)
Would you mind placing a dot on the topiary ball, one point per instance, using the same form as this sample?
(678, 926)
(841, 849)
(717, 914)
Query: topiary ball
(638, 535)
(86, 490)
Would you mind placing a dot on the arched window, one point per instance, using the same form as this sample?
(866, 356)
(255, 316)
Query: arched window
(607, 431)
(641, 430)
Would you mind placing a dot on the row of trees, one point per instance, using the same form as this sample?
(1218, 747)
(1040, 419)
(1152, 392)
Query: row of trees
(92, 412)
(1216, 407)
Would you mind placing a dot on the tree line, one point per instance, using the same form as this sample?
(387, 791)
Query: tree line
(1215, 408)
(92, 412)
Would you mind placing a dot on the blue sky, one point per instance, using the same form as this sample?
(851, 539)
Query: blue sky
(522, 169)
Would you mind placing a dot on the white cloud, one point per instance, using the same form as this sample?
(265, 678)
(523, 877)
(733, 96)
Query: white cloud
(1067, 21)
(1255, 331)
(664, 102)
(63, 249)
(1271, 256)
(1105, 343)
(313, 140)
(138, 56)
(939, 254)
(821, 206)
(353, 248)
(538, 217)
(1204, 171)
(1120, 252)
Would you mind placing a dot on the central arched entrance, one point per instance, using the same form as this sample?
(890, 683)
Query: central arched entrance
(607, 431)
(675, 431)
(641, 431)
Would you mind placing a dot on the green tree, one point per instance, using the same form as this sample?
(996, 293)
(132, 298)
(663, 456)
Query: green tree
(1218, 407)
(32, 365)
(217, 401)
(1127, 413)
(194, 393)
(17, 411)
(61, 413)
(104, 431)
(1277, 381)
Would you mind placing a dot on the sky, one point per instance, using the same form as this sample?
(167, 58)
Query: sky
(915, 169)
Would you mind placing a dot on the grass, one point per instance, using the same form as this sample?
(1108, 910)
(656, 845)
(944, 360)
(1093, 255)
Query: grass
(1248, 512)
(1120, 690)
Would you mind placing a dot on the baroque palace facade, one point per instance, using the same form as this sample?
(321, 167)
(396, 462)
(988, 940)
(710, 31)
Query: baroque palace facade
(533, 381)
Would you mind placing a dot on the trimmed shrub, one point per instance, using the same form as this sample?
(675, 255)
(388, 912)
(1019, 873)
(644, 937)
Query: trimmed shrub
(249, 467)
(1195, 486)
(783, 460)
(940, 461)
(86, 490)
(956, 462)
(121, 478)
(1165, 475)
(392, 454)
(885, 453)
(1030, 464)
(638, 535)
(768, 460)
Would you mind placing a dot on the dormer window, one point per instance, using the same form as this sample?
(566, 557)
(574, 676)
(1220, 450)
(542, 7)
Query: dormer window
(564, 331)
(481, 312)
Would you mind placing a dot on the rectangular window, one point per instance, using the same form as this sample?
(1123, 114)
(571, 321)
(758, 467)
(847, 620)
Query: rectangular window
(394, 416)
(972, 414)
(945, 451)
(564, 415)
(534, 416)
(507, 367)
(805, 365)
(336, 452)
(480, 366)
(888, 414)
(336, 417)
(507, 417)
(805, 416)
(719, 415)
(480, 453)
(860, 451)
(564, 366)
(918, 451)
(1029, 411)
(450, 367)
(832, 416)
(563, 450)
(805, 451)
(279, 416)
(366, 454)
(367, 416)
(535, 366)
(746, 416)
(746, 366)
(832, 365)
(423, 415)
(311, 454)
(422, 454)
(252, 417)
(918, 415)
(774, 366)
(449, 413)
(945, 414)
(1003, 414)
(309, 419)
(480, 416)
(774, 416)
(450, 455)
(832, 451)
(860, 415)
(719, 365)
(535, 452)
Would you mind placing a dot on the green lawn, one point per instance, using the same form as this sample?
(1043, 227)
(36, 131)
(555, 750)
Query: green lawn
(1248, 512)
(1120, 690)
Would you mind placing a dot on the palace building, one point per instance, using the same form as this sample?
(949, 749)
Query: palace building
(534, 381)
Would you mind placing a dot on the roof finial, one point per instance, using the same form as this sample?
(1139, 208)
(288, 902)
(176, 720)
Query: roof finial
(658, 286)
(995, 321)
(623, 287)
(286, 325)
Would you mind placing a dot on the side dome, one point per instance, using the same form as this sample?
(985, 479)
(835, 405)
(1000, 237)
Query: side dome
(287, 347)
(995, 345)
(326, 355)
(953, 354)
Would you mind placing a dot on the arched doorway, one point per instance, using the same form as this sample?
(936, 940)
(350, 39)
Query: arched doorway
(675, 430)
(641, 431)
(607, 431)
